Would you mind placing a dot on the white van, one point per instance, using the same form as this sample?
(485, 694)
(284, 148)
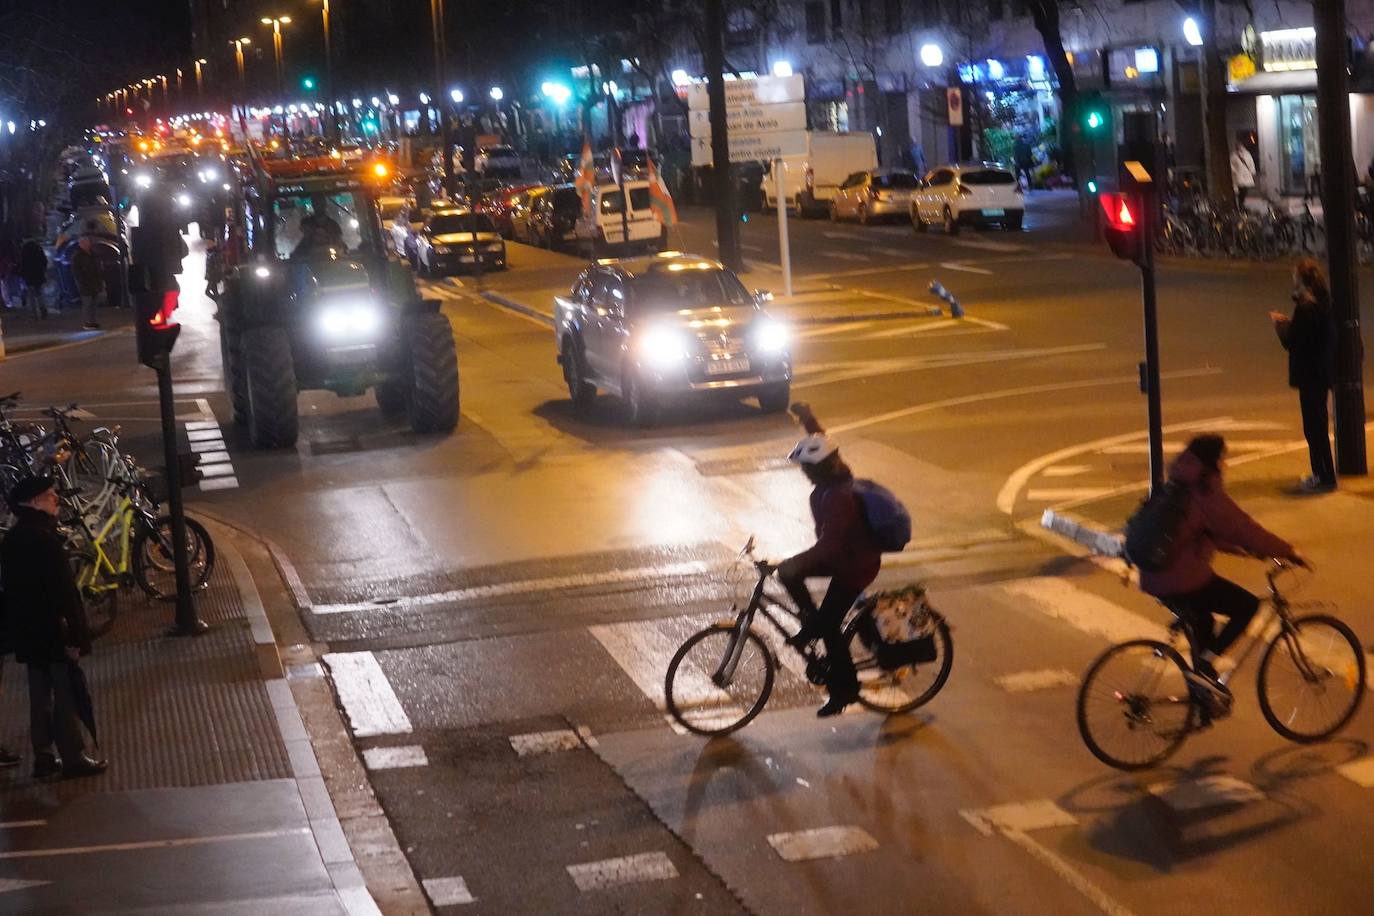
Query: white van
(811, 181)
(606, 227)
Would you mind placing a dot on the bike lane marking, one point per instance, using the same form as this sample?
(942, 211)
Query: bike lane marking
(821, 843)
(451, 891)
(635, 869)
(367, 697)
(394, 758)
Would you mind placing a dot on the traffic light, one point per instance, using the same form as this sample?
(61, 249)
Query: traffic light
(156, 331)
(1092, 185)
(1095, 119)
(308, 84)
(1124, 229)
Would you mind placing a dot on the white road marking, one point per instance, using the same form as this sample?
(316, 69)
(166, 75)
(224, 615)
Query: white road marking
(212, 445)
(1067, 470)
(646, 866)
(1205, 792)
(369, 702)
(846, 256)
(939, 324)
(821, 843)
(448, 891)
(213, 458)
(1044, 679)
(965, 268)
(831, 330)
(18, 884)
(867, 271)
(14, 825)
(219, 483)
(1360, 772)
(642, 650)
(757, 249)
(202, 424)
(1007, 247)
(205, 435)
(1083, 610)
(152, 844)
(545, 742)
(829, 374)
(1015, 821)
(893, 252)
(852, 236)
(1051, 494)
(395, 758)
(212, 470)
(206, 411)
(552, 583)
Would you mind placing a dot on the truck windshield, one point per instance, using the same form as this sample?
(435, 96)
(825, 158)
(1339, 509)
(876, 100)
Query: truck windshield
(309, 224)
(664, 290)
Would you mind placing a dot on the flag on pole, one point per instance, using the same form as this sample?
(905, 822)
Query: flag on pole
(617, 167)
(586, 175)
(660, 200)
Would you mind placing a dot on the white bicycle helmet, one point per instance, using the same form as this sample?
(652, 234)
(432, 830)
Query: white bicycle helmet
(813, 449)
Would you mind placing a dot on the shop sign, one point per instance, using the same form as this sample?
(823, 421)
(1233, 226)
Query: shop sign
(1289, 49)
(1240, 68)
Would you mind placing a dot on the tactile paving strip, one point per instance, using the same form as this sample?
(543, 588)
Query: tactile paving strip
(171, 711)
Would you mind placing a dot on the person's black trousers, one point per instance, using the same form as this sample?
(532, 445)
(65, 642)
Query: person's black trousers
(1221, 597)
(1316, 427)
(52, 711)
(826, 622)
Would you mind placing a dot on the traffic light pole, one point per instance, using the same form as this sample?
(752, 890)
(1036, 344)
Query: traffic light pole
(188, 622)
(727, 228)
(1149, 377)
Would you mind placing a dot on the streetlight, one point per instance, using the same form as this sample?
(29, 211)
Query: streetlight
(238, 44)
(276, 22)
(456, 95)
(1191, 32)
(932, 55)
(200, 61)
(333, 124)
(436, 21)
(782, 68)
(178, 82)
(496, 94)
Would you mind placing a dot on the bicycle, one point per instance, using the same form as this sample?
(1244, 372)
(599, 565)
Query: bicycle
(143, 554)
(1155, 699)
(720, 679)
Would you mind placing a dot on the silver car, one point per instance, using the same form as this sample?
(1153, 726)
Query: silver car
(874, 194)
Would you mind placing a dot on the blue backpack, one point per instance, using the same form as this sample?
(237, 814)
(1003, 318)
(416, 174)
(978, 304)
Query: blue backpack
(888, 521)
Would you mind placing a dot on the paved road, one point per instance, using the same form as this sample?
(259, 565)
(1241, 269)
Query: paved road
(527, 578)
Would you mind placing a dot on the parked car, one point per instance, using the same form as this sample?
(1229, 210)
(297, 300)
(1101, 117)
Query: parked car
(553, 221)
(610, 225)
(977, 194)
(453, 239)
(497, 162)
(521, 213)
(875, 194)
(811, 180)
(498, 203)
(669, 328)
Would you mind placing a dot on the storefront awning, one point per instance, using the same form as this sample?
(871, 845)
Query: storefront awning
(1289, 82)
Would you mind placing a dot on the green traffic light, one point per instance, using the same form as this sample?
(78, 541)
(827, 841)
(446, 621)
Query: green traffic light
(1092, 187)
(1095, 120)
(308, 83)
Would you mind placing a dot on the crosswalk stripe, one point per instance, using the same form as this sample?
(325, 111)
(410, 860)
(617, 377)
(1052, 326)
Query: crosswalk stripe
(452, 891)
(646, 866)
(545, 742)
(821, 843)
(643, 650)
(394, 758)
(1096, 616)
(368, 700)
(1027, 681)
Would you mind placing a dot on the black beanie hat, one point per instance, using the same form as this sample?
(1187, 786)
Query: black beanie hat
(28, 488)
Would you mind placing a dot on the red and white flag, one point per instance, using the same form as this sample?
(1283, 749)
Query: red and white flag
(660, 199)
(585, 181)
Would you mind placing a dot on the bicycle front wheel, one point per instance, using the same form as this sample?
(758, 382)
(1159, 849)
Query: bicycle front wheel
(1135, 708)
(153, 561)
(707, 699)
(1311, 679)
(98, 596)
(899, 690)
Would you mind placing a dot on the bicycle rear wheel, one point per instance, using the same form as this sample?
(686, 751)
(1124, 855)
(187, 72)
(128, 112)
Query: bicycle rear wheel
(153, 562)
(1311, 679)
(704, 701)
(899, 690)
(1135, 708)
(100, 599)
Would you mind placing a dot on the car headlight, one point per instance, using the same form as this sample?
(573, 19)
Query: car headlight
(359, 319)
(143, 181)
(770, 336)
(183, 200)
(663, 348)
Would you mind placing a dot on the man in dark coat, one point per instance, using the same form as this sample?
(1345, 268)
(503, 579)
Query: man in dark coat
(47, 627)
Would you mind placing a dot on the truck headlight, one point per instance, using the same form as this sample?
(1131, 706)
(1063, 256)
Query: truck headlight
(663, 348)
(183, 200)
(770, 336)
(358, 319)
(143, 180)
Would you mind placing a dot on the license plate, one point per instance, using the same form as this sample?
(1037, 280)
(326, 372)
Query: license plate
(727, 366)
(994, 212)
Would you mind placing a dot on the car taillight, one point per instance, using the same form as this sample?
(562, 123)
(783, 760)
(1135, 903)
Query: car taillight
(965, 190)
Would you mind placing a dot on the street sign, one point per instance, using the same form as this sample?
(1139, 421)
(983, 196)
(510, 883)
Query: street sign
(954, 97)
(762, 147)
(751, 118)
(762, 90)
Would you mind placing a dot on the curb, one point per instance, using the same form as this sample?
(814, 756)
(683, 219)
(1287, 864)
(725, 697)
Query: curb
(335, 851)
(1081, 532)
(21, 351)
(519, 307)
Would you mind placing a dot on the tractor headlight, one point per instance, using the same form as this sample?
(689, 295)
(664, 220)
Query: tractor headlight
(349, 320)
(663, 348)
(770, 336)
(183, 200)
(143, 180)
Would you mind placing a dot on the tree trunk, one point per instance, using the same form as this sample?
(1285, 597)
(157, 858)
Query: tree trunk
(1045, 15)
(1215, 145)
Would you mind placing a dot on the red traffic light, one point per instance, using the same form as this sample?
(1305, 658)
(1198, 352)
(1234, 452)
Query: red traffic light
(162, 318)
(1123, 229)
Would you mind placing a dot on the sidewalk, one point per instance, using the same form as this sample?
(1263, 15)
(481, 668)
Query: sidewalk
(214, 800)
(25, 334)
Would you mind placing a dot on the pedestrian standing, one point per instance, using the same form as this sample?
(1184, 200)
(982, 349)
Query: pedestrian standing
(1242, 172)
(1309, 336)
(33, 271)
(89, 275)
(48, 627)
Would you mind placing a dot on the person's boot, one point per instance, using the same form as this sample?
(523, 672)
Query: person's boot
(8, 758)
(46, 766)
(84, 766)
(839, 699)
